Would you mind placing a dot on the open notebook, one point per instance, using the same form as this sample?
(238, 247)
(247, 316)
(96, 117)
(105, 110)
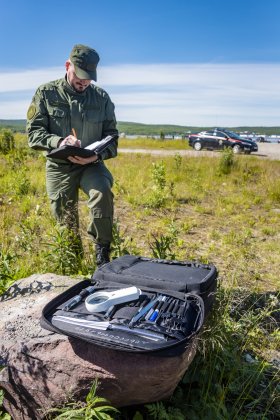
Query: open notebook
(94, 148)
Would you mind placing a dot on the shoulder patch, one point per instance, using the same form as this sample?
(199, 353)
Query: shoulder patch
(31, 111)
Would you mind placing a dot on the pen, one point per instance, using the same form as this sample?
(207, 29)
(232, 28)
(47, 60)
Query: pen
(157, 310)
(143, 311)
(78, 298)
(176, 308)
(165, 305)
(77, 142)
(145, 301)
(171, 307)
(152, 311)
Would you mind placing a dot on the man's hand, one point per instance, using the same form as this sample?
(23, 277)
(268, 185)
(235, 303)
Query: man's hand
(83, 161)
(70, 141)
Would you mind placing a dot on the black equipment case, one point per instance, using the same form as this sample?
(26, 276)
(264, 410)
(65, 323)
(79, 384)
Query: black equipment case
(175, 297)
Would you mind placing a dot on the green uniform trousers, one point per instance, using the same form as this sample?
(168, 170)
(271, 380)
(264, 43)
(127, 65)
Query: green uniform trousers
(63, 183)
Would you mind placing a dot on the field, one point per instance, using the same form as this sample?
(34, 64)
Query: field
(224, 210)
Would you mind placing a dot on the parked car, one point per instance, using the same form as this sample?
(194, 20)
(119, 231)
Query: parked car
(262, 139)
(219, 138)
(269, 139)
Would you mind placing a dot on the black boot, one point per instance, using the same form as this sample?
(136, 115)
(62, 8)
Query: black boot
(102, 253)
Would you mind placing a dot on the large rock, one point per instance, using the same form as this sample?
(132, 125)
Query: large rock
(44, 369)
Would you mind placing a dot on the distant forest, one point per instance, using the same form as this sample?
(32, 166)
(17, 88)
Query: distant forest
(131, 128)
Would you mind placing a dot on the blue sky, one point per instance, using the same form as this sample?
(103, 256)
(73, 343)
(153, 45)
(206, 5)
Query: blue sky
(202, 62)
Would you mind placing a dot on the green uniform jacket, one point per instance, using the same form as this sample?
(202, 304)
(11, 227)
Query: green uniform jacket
(56, 108)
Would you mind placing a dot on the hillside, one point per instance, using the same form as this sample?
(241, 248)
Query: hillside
(15, 125)
(151, 129)
(156, 129)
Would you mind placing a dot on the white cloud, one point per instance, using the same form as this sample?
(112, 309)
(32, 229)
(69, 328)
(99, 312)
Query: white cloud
(186, 94)
(16, 81)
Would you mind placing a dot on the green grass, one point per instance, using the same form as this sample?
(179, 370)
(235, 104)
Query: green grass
(224, 210)
(150, 143)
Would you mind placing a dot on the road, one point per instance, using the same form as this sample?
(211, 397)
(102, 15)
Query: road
(266, 151)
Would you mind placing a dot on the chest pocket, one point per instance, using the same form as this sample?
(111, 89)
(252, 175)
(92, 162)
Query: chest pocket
(59, 113)
(58, 109)
(59, 118)
(93, 123)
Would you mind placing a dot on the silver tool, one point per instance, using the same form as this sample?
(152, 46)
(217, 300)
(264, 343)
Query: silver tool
(105, 325)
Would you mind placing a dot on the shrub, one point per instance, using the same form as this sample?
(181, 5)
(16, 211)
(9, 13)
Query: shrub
(65, 252)
(227, 161)
(274, 191)
(162, 246)
(6, 269)
(121, 245)
(7, 141)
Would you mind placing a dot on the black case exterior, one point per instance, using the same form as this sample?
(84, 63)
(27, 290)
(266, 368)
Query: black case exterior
(192, 283)
(174, 276)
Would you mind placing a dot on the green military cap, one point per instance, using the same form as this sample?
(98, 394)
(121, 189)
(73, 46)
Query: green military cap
(85, 60)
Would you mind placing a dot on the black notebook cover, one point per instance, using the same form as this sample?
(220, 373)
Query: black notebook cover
(65, 151)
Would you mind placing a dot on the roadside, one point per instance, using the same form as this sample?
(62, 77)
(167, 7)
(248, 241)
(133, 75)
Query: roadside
(266, 151)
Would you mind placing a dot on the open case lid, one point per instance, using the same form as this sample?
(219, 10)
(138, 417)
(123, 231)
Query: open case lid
(180, 276)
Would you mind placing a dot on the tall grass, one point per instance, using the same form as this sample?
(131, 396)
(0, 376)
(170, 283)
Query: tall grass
(224, 210)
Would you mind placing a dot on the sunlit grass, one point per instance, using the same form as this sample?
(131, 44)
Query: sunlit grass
(203, 202)
(150, 143)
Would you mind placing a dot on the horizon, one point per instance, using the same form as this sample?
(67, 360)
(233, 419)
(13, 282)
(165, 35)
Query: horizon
(23, 120)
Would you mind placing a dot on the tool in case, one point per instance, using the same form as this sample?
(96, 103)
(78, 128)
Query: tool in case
(136, 304)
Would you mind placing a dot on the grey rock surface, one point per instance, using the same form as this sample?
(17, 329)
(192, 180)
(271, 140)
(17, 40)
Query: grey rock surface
(43, 369)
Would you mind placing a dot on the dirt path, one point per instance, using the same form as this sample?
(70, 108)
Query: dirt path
(266, 151)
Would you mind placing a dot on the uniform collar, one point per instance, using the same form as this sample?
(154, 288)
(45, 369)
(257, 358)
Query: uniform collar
(70, 89)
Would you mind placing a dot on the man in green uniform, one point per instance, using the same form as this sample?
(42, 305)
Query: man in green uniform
(73, 111)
